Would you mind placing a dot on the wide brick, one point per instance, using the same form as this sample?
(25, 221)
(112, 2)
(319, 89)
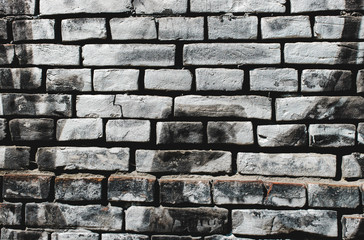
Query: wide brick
(96, 106)
(181, 28)
(123, 236)
(16, 234)
(332, 135)
(75, 234)
(10, 214)
(220, 79)
(285, 194)
(352, 226)
(173, 237)
(65, 80)
(79, 129)
(35, 29)
(3, 128)
(78, 187)
(150, 107)
(232, 27)
(360, 81)
(20, 78)
(330, 53)
(325, 80)
(323, 5)
(17, 7)
(272, 222)
(231, 53)
(160, 6)
(48, 54)
(109, 80)
(7, 54)
(333, 196)
(201, 220)
(3, 29)
(286, 27)
(14, 157)
(353, 166)
(168, 80)
(78, 29)
(83, 158)
(128, 130)
(185, 190)
(180, 161)
(240, 133)
(128, 55)
(133, 28)
(338, 27)
(223, 106)
(274, 79)
(360, 136)
(179, 132)
(287, 164)
(319, 108)
(31, 129)
(57, 215)
(131, 188)
(294, 135)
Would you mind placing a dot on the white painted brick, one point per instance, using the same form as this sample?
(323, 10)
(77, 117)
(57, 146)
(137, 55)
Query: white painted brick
(115, 80)
(323, 80)
(219, 79)
(232, 27)
(36, 29)
(324, 5)
(97, 106)
(285, 135)
(75, 234)
(62, 80)
(360, 81)
(83, 29)
(79, 129)
(133, 28)
(286, 27)
(338, 27)
(332, 135)
(240, 133)
(160, 6)
(20, 78)
(274, 79)
(128, 131)
(181, 28)
(168, 80)
(361, 133)
(7, 54)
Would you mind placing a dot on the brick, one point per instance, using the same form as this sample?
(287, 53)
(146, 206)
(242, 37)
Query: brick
(271, 222)
(133, 28)
(48, 54)
(332, 196)
(58, 215)
(168, 80)
(66, 80)
(332, 135)
(286, 27)
(26, 185)
(232, 27)
(223, 106)
(325, 80)
(97, 106)
(172, 237)
(80, 6)
(285, 194)
(360, 136)
(78, 187)
(3, 29)
(35, 29)
(17, 7)
(7, 54)
(29, 129)
(14, 157)
(353, 165)
(352, 226)
(255, 6)
(123, 236)
(319, 108)
(3, 128)
(179, 132)
(181, 28)
(240, 133)
(150, 107)
(220, 79)
(83, 158)
(79, 29)
(109, 80)
(180, 161)
(274, 79)
(323, 5)
(20, 78)
(231, 53)
(287, 164)
(15, 234)
(160, 6)
(10, 214)
(79, 129)
(330, 53)
(75, 234)
(237, 191)
(338, 27)
(201, 220)
(128, 55)
(131, 188)
(285, 135)
(185, 190)
(226, 237)
(360, 81)
(128, 131)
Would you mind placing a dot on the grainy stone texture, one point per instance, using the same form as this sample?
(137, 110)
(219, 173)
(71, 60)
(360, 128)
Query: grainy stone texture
(325, 80)
(168, 80)
(220, 79)
(181, 28)
(240, 133)
(96, 106)
(332, 135)
(166, 7)
(10, 214)
(36, 29)
(78, 29)
(3, 128)
(352, 226)
(179, 132)
(15, 234)
(360, 133)
(232, 27)
(65, 80)
(109, 80)
(133, 28)
(360, 81)
(173, 237)
(7, 52)
(75, 234)
(323, 5)
(285, 194)
(338, 27)
(79, 129)
(123, 236)
(294, 135)
(353, 165)
(14, 157)
(128, 131)
(20, 78)
(28, 129)
(274, 79)
(17, 7)
(286, 27)
(3, 29)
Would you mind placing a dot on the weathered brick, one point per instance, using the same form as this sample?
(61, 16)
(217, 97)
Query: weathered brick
(333, 196)
(338, 27)
(108, 80)
(222, 79)
(14, 157)
(227, 237)
(35, 29)
(96, 106)
(128, 55)
(3, 128)
(31, 129)
(129, 130)
(10, 214)
(231, 53)
(360, 81)
(330, 53)
(131, 188)
(287, 164)
(160, 6)
(168, 79)
(185, 190)
(319, 108)
(133, 28)
(272, 222)
(48, 54)
(65, 80)
(285, 194)
(75, 234)
(179, 132)
(180, 161)
(323, 5)
(240, 133)
(87, 158)
(78, 29)
(353, 165)
(3, 29)
(232, 27)
(361, 133)
(20, 78)
(274, 79)
(223, 106)
(16, 234)
(181, 28)
(57, 215)
(17, 7)
(78, 187)
(79, 129)
(332, 135)
(173, 237)
(201, 220)
(7, 53)
(352, 226)
(286, 27)
(324, 80)
(123, 236)
(294, 135)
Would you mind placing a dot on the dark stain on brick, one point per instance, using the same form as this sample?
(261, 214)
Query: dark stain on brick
(45, 159)
(295, 137)
(238, 191)
(354, 4)
(181, 133)
(6, 78)
(351, 28)
(16, 158)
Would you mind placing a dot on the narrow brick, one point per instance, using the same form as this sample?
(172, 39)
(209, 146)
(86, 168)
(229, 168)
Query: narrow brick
(353, 165)
(173, 237)
(3, 128)
(79, 29)
(298, 6)
(16, 234)
(339, 27)
(360, 81)
(14, 157)
(66, 80)
(133, 28)
(17, 7)
(3, 29)
(274, 79)
(285, 194)
(168, 80)
(75, 234)
(160, 6)
(128, 130)
(240, 133)
(97, 106)
(285, 135)
(123, 236)
(35, 29)
(361, 133)
(325, 80)
(286, 27)
(179, 132)
(10, 214)
(332, 135)
(79, 129)
(232, 27)
(20, 78)
(226, 237)
(219, 79)
(109, 80)
(181, 28)
(7, 54)
(352, 226)
(29, 129)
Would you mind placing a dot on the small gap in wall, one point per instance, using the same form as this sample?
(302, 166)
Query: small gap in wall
(206, 28)
(179, 55)
(57, 30)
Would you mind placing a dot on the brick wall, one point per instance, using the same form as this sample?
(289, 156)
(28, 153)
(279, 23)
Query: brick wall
(181, 119)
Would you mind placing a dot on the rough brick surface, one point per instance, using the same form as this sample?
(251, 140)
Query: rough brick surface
(240, 133)
(10, 214)
(20, 78)
(27, 129)
(128, 131)
(13, 234)
(284, 135)
(75, 234)
(168, 80)
(83, 29)
(105, 80)
(285, 194)
(160, 6)
(233, 27)
(353, 165)
(3, 29)
(133, 28)
(79, 129)
(352, 226)
(37, 29)
(17, 7)
(325, 80)
(14, 157)
(97, 106)
(219, 79)
(286, 27)
(274, 79)
(179, 132)
(65, 80)
(360, 81)
(323, 5)
(188, 28)
(338, 27)
(332, 135)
